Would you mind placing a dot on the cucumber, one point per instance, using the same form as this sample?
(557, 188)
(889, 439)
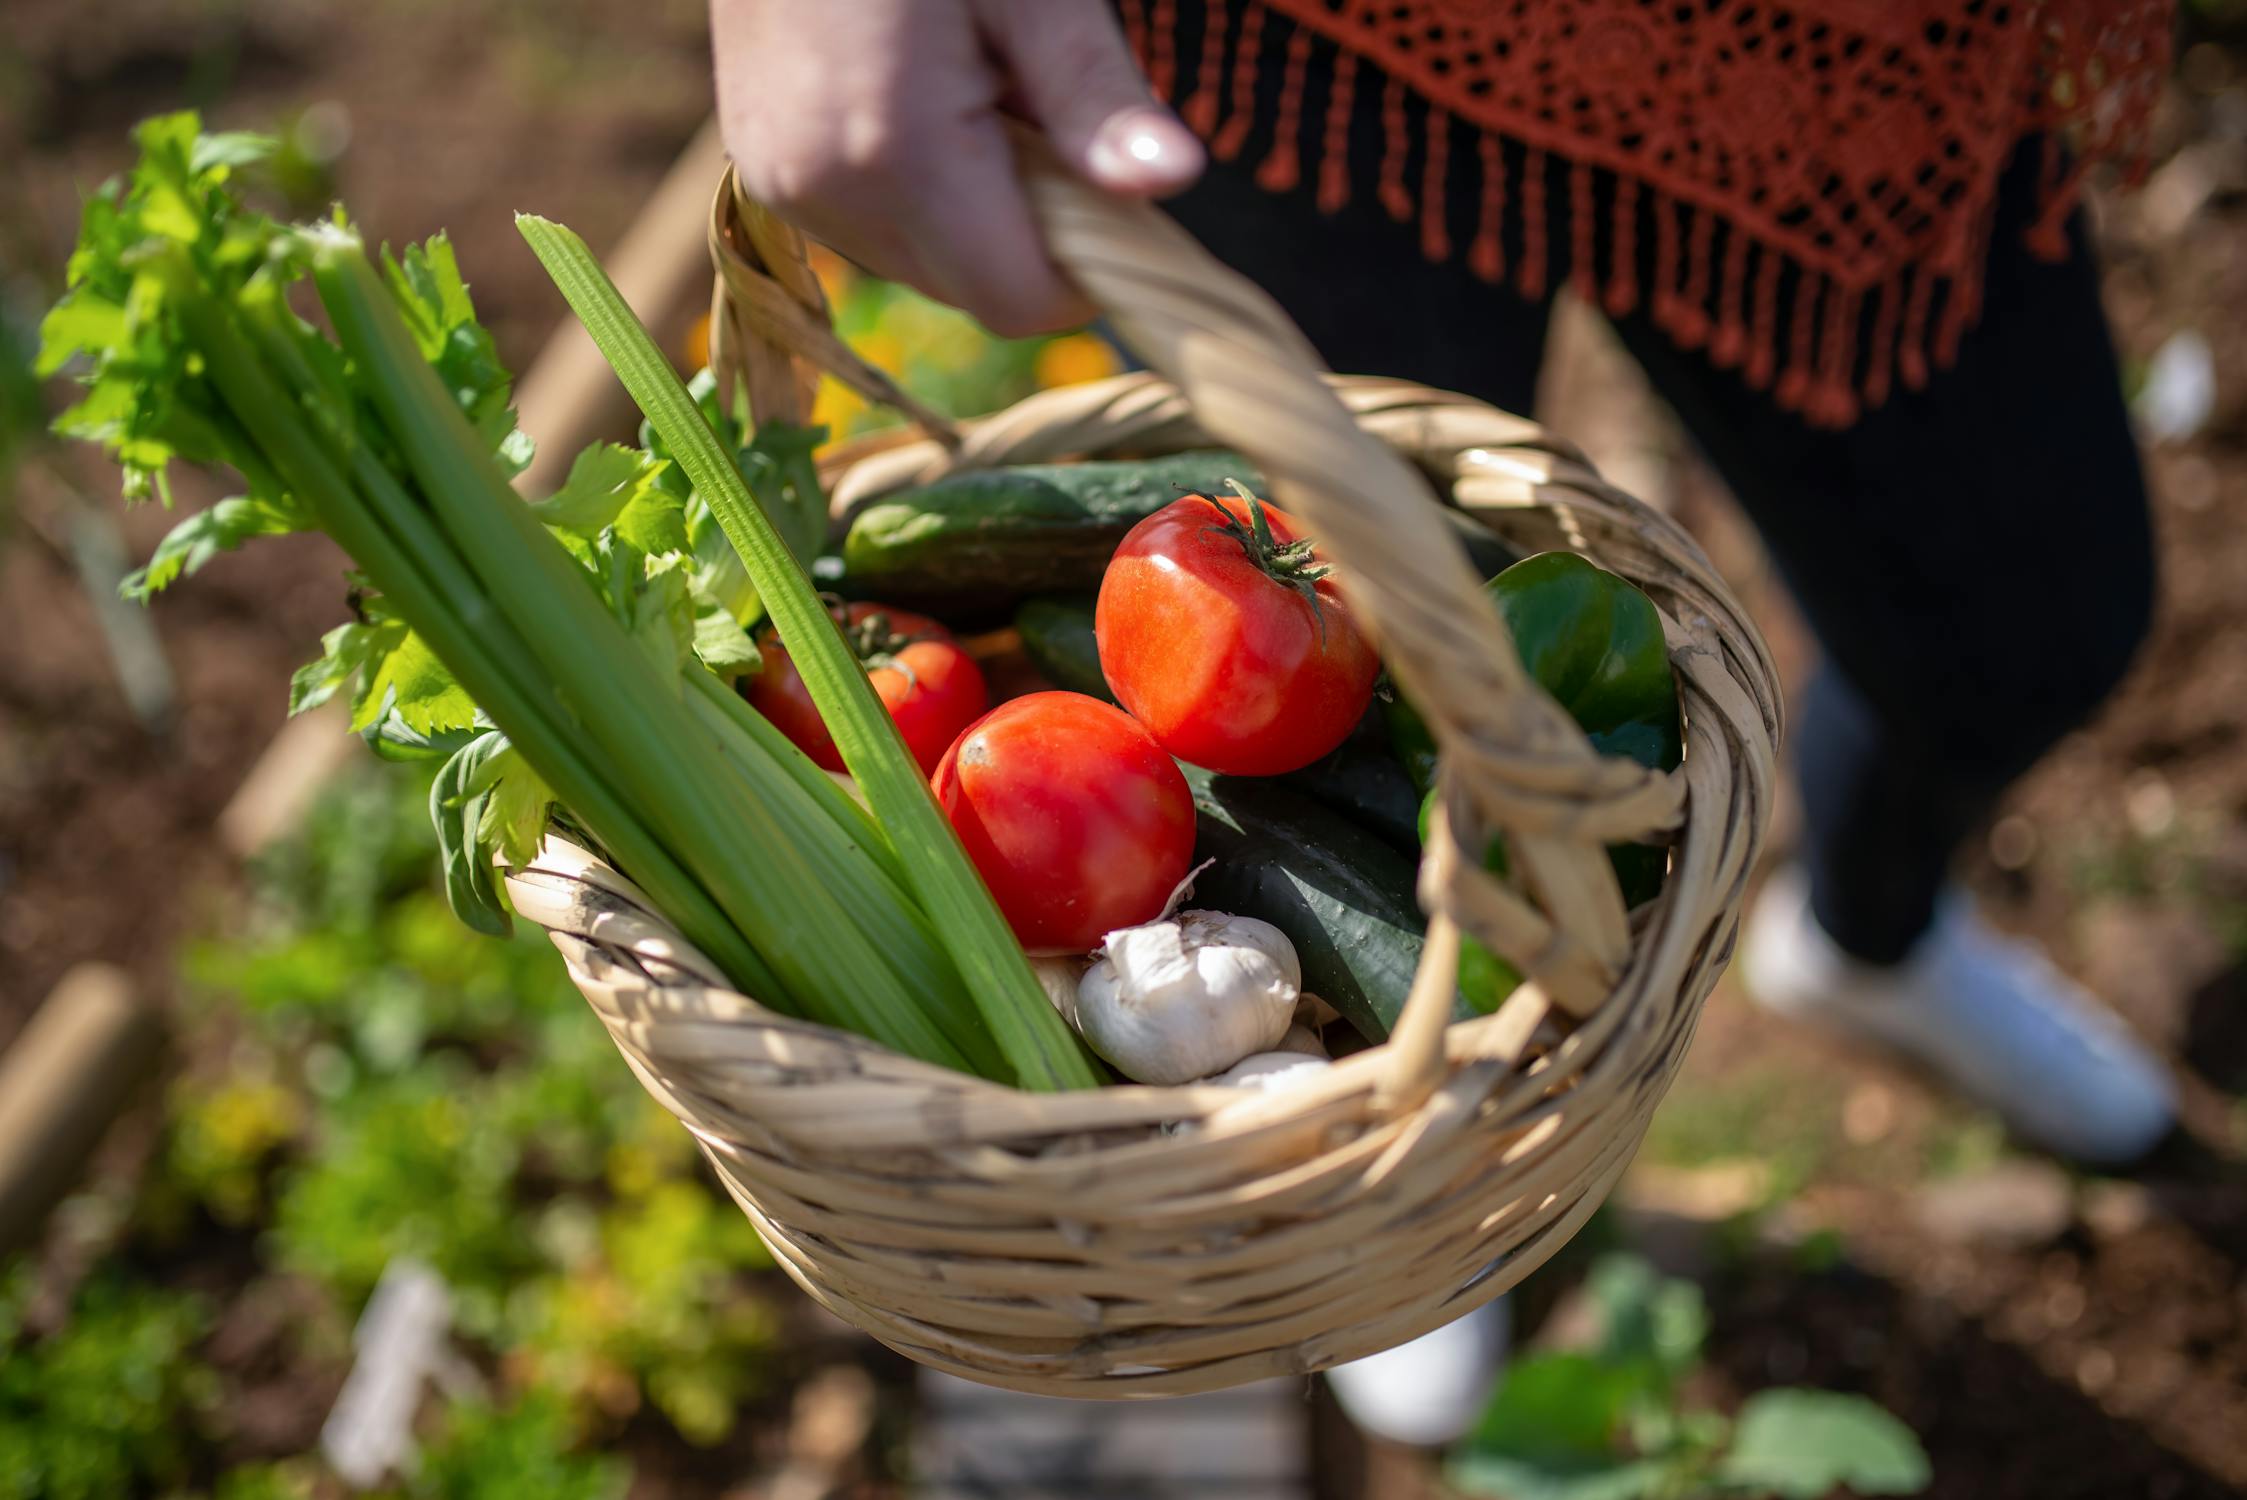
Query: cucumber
(963, 611)
(1363, 780)
(1057, 636)
(1034, 529)
(1343, 897)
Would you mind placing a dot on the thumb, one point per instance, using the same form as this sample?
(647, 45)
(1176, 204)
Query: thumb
(1069, 64)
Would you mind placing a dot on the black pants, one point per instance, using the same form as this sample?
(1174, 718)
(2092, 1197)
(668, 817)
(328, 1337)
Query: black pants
(1975, 557)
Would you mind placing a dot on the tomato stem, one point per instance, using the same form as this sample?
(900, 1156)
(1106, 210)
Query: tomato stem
(1294, 565)
(877, 645)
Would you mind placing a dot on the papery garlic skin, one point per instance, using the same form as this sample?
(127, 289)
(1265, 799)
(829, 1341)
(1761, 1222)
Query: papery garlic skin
(1188, 996)
(1272, 1071)
(1058, 977)
(1301, 1041)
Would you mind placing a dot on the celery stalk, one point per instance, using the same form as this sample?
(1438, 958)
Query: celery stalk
(1044, 1052)
(680, 785)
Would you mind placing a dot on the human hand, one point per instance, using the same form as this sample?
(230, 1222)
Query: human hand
(875, 126)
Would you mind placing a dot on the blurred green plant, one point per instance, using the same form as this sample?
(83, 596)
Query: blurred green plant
(407, 1166)
(1609, 1422)
(479, 1451)
(938, 353)
(109, 1404)
(223, 1133)
(401, 1087)
(641, 1302)
(523, 1452)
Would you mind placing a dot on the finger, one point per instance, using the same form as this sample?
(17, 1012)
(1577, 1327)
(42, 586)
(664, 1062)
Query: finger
(1071, 66)
(974, 239)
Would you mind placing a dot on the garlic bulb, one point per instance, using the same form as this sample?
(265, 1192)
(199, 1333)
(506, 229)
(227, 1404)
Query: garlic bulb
(1188, 996)
(1301, 1041)
(1272, 1071)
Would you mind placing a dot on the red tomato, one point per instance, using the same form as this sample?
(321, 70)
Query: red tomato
(1209, 635)
(1076, 819)
(931, 687)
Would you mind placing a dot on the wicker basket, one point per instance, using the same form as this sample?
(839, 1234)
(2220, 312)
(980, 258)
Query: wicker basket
(1140, 1241)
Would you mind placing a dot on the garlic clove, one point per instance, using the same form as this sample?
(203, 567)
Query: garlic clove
(1313, 1012)
(1182, 998)
(1058, 977)
(1302, 1040)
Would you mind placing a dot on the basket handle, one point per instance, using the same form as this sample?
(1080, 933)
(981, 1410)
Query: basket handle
(1512, 759)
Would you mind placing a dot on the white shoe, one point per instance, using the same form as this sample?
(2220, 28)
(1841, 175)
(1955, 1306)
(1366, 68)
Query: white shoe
(1987, 1012)
(1431, 1391)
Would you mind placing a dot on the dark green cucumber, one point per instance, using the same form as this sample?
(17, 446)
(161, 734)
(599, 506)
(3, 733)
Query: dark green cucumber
(1342, 897)
(1363, 780)
(1034, 529)
(963, 611)
(1056, 632)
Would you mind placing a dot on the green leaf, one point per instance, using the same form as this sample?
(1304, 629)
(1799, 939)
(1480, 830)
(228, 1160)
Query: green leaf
(721, 643)
(410, 681)
(610, 485)
(1646, 1316)
(1802, 1444)
(515, 809)
(1559, 1406)
(230, 148)
(437, 309)
(663, 616)
(392, 738)
(345, 653)
(82, 321)
(458, 802)
(778, 465)
(1584, 1479)
(204, 535)
(718, 570)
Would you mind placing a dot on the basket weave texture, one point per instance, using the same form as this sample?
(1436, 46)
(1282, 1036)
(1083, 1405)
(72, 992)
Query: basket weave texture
(1140, 1241)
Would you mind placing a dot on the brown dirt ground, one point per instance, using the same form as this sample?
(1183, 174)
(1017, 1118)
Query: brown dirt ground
(576, 107)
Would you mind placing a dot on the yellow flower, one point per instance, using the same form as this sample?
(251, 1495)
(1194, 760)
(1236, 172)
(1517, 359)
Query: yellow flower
(1075, 358)
(698, 343)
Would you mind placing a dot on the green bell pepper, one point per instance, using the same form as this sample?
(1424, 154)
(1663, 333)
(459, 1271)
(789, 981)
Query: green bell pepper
(1594, 642)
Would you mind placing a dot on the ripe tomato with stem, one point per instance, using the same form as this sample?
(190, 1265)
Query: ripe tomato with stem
(930, 685)
(1221, 630)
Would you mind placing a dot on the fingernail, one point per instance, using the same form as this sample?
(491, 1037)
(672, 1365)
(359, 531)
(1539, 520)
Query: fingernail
(1144, 150)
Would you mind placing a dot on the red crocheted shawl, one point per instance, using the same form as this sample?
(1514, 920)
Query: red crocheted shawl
(1859, 141)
